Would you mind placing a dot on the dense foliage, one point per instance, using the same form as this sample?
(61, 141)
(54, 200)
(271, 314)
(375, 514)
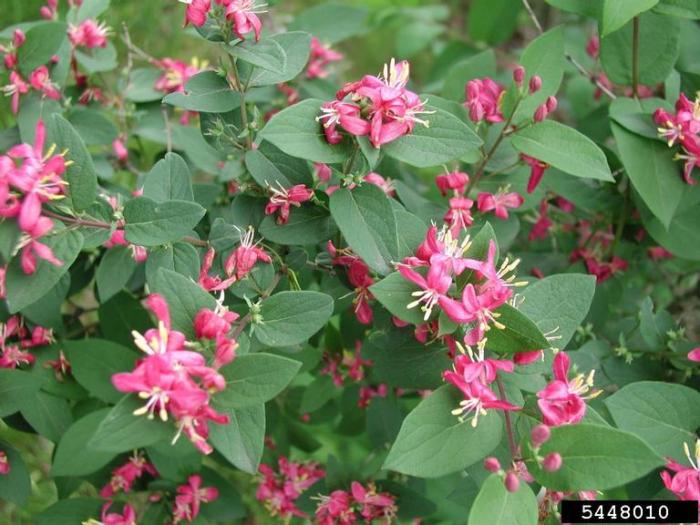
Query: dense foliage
(457, 290)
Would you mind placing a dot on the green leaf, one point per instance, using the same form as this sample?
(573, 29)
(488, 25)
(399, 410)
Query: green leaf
(617, 13)
(519, 335)
(185, 298)
(49, 415)
(88, 9)
(81, 175)
(395, 293)
(682, 238)
(664, 415)
(265, 54)
(95, 361)
(141, 86)
(317, 393)
(559, 304)
(122, 431)
(268, 165)
(296, 132)
(384, 418)
(297, 46)
(306, 225)
(493, 21)
(206, 92)
(331, 22)
(43, 41)
(241, 441)
(595, 457)
(16, 485)
(15, 387)
(659, 46)
(544, 57)
(23, 289)
(93, 126)
(120, 315)
(170, 179)
(366, 220)
(114, 271)
(291, 318)
(252, 379)
(564, 148)
(650, 167)
(401, 361)
(433, 443)
(478, 66)
(589, 8)
(99, 59)
(149, 223)
(180, 257)
(497, 506)
(680, 8)
(70, 511)
(447, 138)
(73, 446)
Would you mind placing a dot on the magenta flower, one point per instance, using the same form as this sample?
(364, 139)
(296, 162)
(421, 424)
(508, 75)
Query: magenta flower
(455, 180)
(278, 490)
(127, 517)
(190, 497)
(176, 74)
(124, 476)
(246, 255)
(15, 89)
(540, 230)
(5, 466)
(434, 286)
(386, 185)
(537, 169)
(498, 203)
(210, 324)
(319, 59)
(197, 12)
(561, 401)
(89, 34)
(694, 354)
(684, 481)
(41, 81)
(484, 97)
(458, 217)
(345, 115)
(283, 198)
(244, 15)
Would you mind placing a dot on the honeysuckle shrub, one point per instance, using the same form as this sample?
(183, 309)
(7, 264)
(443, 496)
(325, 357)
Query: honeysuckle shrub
(267, 284)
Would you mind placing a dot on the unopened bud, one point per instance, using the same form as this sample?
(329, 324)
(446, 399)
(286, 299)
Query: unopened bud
(551, 103)
(18, 38)
(512, 482)
(519, 75)
(492, 464)
(540, 435)
(535, 84)
(540, 113)
(552, 462)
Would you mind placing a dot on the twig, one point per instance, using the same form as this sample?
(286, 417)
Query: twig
(509, 424)
(241, 91)
(108, 226)
(590, 76)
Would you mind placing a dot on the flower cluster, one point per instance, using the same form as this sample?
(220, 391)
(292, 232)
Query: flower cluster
(683, 128)
(176, 74)
(378, 106)
(89, 34)
(279, 489)
(126, 517)
(39, 79)
(28, 179)
(360, 505)
(242, 14)
(176, 381)
(592, 248)
(319, 59)
(189, 499)
(15, 339)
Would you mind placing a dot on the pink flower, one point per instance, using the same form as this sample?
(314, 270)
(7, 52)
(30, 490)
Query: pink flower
(320, 57)
(433, 286)
(455, 180)
(527, 358)
(127, 517)
(89, 34)
(345, 115)
(484, 99)
(458, 217)
(593, 46)
(543, 223)
(657, 253)
(41, 81)
(322, 171)
(120, 151)
(561, 401)
(537, 171)
(684, 481)
(694, 354)
(374, 505)
(335, 509)
(498, 203)
(278, 490)
(386, 185)
(15, 89)
(244, 15)
(210, 324)
(175, 74)
(283, 198)
(125, 476)
(4, 464)
(209, 283)
(190, 497)
(196, 12)
(242, 260)
(691, 156)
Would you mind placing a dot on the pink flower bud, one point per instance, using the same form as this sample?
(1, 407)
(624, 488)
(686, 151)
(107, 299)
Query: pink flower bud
(492, 464)
(519, 75)
(551, 103)
(18, 38)
(535, 84)
(540, 113)
(512, 482)
(552, 462)
(46, 13)
(540, 435)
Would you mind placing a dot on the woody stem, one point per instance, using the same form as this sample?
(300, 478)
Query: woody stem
(509, 423)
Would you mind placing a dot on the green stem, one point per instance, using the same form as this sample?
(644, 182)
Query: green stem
(241, 90)
(622, 221)
(635, 57)
(509, 424)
